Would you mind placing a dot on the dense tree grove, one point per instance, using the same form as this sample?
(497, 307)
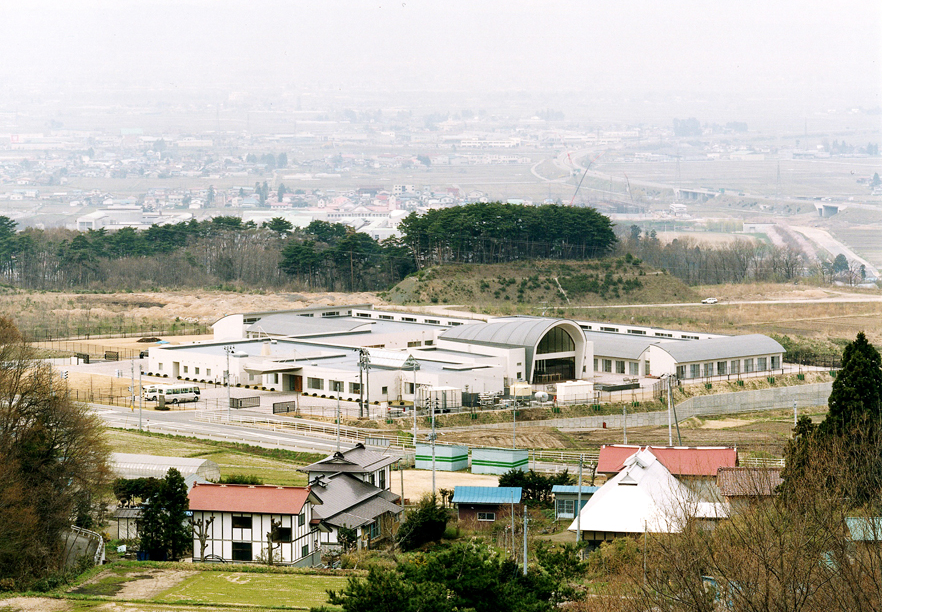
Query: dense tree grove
(466, 576)
(496, 232)
(54, 463)
(219, 251)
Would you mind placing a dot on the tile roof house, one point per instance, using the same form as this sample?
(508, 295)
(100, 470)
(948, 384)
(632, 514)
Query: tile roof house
(644, 496)
(742, 485)
(345, 500)
(370, 466)
(234, 522)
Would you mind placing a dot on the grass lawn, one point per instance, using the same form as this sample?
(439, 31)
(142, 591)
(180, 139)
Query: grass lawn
(245, 588)
(231, 460)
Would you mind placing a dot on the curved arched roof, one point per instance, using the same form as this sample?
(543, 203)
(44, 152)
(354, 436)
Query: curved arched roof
(516, 331)
(524, 332)
(712, 349)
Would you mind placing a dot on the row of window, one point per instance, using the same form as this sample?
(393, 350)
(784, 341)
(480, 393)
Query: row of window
(619, 366)
(195, 369)
(726, 368)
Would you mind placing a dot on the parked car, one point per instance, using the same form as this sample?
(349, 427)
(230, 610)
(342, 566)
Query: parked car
(710, 301)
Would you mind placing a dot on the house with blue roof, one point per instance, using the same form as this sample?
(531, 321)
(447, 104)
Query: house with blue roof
(485, 504)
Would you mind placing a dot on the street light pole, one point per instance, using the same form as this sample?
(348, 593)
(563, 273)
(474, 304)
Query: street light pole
(227, 376)
(412, 363)
(141, 393)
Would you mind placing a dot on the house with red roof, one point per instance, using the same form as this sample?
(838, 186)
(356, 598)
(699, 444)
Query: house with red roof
(244, 523)
(695, 466)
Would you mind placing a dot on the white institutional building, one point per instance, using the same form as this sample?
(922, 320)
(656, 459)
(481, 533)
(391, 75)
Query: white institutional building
(332, 351)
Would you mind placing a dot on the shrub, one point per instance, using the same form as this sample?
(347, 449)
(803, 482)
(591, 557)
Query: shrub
(424, 524)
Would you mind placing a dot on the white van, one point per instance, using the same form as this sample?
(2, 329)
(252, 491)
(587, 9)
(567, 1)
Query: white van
(173, 393)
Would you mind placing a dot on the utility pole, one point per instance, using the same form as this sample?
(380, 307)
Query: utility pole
(338, 423)
(432, 445)
(514, 426)
(524, 532)
(624, 421)
(412, 363)
(580, 482)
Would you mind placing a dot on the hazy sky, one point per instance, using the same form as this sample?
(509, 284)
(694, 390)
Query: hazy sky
(808, 53)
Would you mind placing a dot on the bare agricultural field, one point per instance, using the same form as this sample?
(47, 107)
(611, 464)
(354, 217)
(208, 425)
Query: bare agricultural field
(158, 310)
(712, 239)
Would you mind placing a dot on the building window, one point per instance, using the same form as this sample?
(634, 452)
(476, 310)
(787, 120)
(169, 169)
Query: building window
(721, 368)
(635, 368)
(762, 363)
(314, 383)
(707, 369)
(161, 367)
(486, 516)
(336, 385)
(241, 522)
(186, 369)
(558, 340)
(410, 388)
(776, 362)
(680, 371)
(305, 550)
(354, 387)
(241, 551)
(374, 530)
(302, 519)
(596, 364)
(748, 365)
(284, 535)
(414, 344)
(385, 391)
(646, 368)
(734, 366)
(608, 364)
(621, 367)
(694, 370)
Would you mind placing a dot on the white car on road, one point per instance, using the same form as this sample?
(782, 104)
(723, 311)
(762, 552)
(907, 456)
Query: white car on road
(710, 301)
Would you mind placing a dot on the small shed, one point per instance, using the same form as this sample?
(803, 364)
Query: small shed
(127, 523)
(144, 466)
(447, 458)
(485, 504)
(565, 500)
(498, 460)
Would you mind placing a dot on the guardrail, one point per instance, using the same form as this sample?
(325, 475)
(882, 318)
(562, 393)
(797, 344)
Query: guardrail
(100, 556)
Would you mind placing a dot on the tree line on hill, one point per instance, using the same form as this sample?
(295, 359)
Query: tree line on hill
(496, 233)
(737, 261)
(226, 251)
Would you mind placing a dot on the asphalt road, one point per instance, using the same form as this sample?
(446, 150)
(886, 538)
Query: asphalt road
(185, 423)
